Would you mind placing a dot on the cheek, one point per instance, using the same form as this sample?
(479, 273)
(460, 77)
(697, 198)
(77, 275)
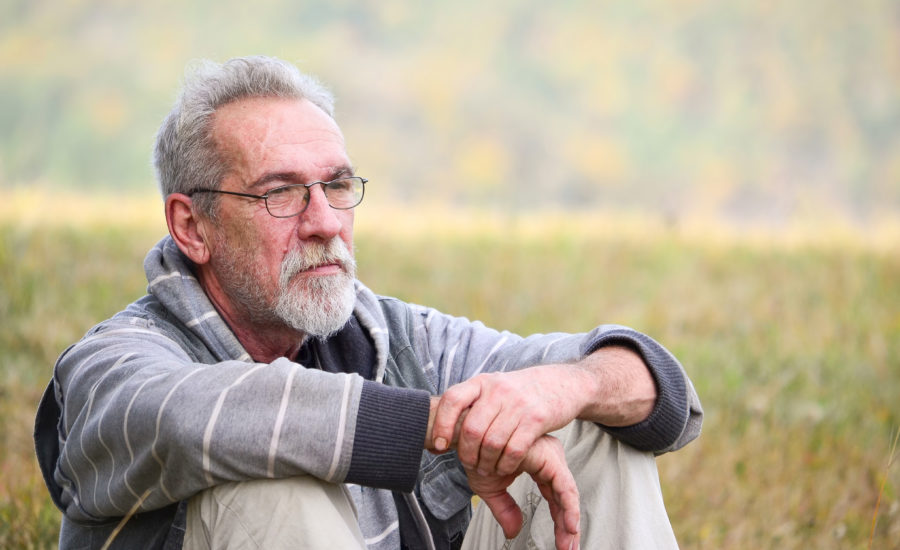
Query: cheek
(264, 244)
(347, 233)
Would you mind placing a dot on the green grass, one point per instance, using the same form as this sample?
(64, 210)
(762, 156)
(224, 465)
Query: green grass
(795, 351)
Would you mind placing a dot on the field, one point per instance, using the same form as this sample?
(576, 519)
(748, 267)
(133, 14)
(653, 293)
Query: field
(792, 341)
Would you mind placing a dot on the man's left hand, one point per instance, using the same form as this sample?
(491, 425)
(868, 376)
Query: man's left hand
(493, 419)
(545, 462)
(505, 413)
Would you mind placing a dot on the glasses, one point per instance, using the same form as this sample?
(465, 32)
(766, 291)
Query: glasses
(291, 200)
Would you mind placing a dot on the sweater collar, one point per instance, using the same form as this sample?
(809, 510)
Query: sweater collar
(171, 280)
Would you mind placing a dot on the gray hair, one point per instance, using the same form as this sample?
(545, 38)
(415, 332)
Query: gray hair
(185, 156)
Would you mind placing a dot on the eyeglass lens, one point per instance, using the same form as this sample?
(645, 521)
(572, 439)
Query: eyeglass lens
(292, 199)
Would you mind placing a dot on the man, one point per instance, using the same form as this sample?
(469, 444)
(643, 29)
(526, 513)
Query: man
(261, 396)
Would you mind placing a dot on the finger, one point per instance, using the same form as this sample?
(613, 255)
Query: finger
(495, 442)
(565, 525)
(564, 496)
(517, 446)
(506, 512)
(475, 426)
(555, 481)
(575, 544)
(566, 540)
(565, 508)
(453, 402)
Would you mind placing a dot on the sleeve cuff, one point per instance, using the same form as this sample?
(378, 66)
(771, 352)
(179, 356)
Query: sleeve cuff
(662, 428)
(390, 432)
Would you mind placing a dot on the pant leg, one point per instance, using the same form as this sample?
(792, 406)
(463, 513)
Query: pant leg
(621, 500)
(295, 513)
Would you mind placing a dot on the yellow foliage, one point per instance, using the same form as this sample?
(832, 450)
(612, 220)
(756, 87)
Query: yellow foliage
(600, 158)
(108, 112)
(482, 162)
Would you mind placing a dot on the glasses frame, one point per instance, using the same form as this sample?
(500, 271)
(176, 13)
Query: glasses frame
(265, 197)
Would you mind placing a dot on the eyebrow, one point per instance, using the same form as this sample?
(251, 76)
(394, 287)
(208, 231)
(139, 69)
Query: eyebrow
(299, 177)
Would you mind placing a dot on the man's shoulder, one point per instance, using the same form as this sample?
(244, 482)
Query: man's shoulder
(393, 308)
(145, 313)
(381, 309)
(400, 315)
(144, 321)
(395, 319)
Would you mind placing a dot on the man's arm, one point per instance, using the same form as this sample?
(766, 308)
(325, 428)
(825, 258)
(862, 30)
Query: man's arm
(141, 419)
(498, 424)
(454, 350)
(507, 412)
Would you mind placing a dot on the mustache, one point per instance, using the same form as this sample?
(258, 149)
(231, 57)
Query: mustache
(315, 254)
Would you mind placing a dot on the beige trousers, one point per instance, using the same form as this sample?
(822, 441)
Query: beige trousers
(621, 507)
(295, 513)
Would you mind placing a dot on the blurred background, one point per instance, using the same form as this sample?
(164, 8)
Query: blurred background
(722, 175)
(750, 112)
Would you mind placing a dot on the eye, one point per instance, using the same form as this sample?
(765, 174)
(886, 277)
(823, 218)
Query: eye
(339, 185)
(279, 192)
(286, 201)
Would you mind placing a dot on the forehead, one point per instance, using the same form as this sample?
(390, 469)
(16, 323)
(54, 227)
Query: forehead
(257, 135)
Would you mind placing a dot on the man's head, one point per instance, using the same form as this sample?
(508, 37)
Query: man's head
(184, 155)
(248, 127)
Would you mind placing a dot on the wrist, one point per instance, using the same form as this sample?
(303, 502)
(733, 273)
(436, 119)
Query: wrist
(587, 389)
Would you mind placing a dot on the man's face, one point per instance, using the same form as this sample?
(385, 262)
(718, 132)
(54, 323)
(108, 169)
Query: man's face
(298, 271)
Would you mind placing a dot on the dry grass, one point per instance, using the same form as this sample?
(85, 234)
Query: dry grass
(793, 342)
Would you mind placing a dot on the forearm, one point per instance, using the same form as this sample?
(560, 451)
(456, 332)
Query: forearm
(134, 425)
(387, 447)
(676, 415)
(615, 387)
(180, 433)
(611, 386)
(663, 414)
(645, 403)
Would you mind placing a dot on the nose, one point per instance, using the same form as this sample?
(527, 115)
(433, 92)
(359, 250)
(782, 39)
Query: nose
(319, 220)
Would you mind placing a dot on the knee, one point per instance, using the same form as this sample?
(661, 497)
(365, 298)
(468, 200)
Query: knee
(272, 513)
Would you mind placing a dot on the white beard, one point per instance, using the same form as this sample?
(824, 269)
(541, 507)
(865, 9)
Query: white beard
(317, 306)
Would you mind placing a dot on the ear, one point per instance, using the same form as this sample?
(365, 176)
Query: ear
(187, 229)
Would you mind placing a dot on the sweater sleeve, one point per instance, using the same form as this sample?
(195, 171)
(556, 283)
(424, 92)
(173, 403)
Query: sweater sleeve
(458, 349)
(390, 433)
(142, 422)
(677, 416)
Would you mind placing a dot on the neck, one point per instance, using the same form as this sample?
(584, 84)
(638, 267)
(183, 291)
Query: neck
(266, 344)
(264, 341)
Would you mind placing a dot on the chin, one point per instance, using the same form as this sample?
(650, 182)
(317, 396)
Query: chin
(321, 307)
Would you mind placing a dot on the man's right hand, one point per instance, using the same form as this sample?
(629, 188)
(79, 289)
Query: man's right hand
(545, 462)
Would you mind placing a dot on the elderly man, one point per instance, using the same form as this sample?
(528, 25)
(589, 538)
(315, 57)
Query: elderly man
(260, 396)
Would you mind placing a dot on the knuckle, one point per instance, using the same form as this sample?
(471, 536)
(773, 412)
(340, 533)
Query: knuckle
(451, 397)
(516, 452)
(493, 443)
(467, 460)
(471, 431)
(538, 416)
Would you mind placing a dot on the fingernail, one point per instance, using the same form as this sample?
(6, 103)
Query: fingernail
(440, 444)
